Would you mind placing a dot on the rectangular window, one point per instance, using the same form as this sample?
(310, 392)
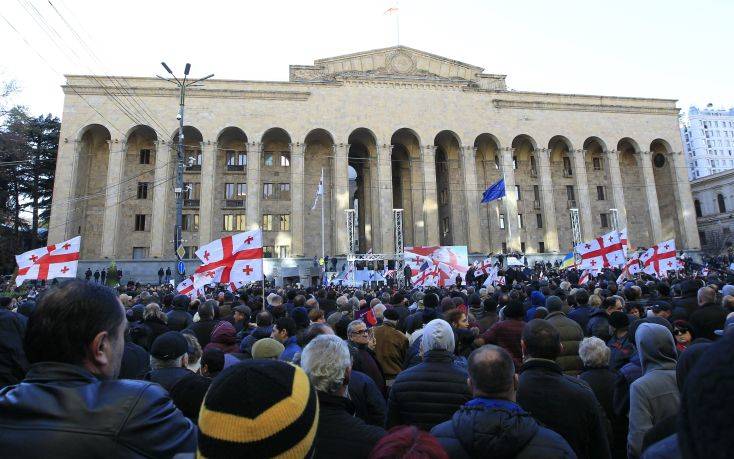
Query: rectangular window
(283, 251)
(519, 221)
(240, 222)
(522, 247)
(267, 222)
(517, 192)
(268, 159)
(284, 222)
(190, 222)
(567, 166)
(446, 227)
(142, 190)
(267, 251)
(192, 190)
(702, 237)
(139, 253)
(190, 251)
(241, 158)
(145, 156)
(541, 247)
(140, 222)
(228, 224)
(444, 196)
(569, 193)
(285, 160)
(536, 193)
(504, 247)
(514, 162)
(231, 158)
(284, 191)
(241, 190)
(533, 169)
(229, 191)
(193, 158)
(597, 164)
(539, 220)
(502, 221)
(604, 220)
(268, 191)
(600, 193)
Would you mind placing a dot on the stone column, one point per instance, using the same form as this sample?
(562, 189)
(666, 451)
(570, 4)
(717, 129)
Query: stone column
(547, 200)
(510, 199)
(208, 190)
(430, 196)
(582, 194)
(472, 197)
(651, 196)
(340, 199)
(384, 181)
(162, 186)
(63, 216)
(298, 151)
(113, 196)
(615, 178)
(254, 187)
(684, 201)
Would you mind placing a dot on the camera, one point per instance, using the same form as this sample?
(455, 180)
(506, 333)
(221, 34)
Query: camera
(178, 116)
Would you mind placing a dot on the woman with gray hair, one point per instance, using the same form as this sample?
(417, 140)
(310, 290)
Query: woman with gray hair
(328, 364)
(595, 354)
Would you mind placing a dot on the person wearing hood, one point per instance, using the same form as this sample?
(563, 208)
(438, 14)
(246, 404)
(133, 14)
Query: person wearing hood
(537, 299)
(224, 338)
(492, 424)
(654, 396)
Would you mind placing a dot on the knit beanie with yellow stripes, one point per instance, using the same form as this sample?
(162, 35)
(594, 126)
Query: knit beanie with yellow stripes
(259, 408)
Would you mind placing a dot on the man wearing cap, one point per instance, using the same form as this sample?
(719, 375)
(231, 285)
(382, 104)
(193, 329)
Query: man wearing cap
(168, 359)
(661, 309)
(71, 403)
(570, 333)
(267, 348)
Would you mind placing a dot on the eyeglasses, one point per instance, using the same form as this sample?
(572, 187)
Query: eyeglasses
(361, 332)
(678, 332)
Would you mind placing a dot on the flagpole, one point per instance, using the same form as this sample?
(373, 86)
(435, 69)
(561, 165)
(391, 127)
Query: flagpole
(323, 250)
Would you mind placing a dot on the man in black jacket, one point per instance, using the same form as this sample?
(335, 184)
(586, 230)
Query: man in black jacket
(205, 326)
(492, 424)
(430, 392)
(13, 362)
(328, 364)
(70, 404)
(179, 318)
(564, 404)
(709, 317)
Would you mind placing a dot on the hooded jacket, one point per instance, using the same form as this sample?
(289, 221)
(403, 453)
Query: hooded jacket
(224, 338)
(256, 334)
(498, 429)
(537, 299)
(654, 396)
(571, 336)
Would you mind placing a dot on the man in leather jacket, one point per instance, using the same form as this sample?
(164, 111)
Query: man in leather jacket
(71, 404)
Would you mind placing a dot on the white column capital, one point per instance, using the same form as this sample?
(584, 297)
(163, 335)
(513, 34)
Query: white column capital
(578, 152)
(116, 142)
(428, 148)
(611, 152)
(297, 148)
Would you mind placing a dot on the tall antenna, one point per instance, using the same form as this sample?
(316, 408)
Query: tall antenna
(395, 12)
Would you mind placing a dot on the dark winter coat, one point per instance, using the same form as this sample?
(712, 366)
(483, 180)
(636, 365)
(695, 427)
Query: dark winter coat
(603, 381)
(706, 319)
(13, 362)
(62, 410)
(135, 362)
(581, 314)
(428, 393)
(178, 319)
(565, 405)
(154, 328)
(203, 330)
(621, 349)
(364, 360)
(256, 334)
(503, 431)
(167, 377)
(367, 399)
(571, 336)
(340, 433)
(598, 325)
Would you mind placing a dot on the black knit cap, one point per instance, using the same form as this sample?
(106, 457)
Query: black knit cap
(259, 408)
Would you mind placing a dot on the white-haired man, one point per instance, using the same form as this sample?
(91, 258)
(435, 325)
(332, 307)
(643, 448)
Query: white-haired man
(328, 364)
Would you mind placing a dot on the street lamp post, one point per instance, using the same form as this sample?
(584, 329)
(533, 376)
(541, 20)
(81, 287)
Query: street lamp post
(178, 188)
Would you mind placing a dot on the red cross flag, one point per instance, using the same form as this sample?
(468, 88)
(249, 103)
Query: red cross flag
(236, 258)
(601, 252)
(630, 268)
(624, 240)
(660, 258)
(484, 268)
(186, 287)
(45, 263)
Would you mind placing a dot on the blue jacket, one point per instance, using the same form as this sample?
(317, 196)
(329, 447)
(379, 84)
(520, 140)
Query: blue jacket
(581, 315)
(291, 349)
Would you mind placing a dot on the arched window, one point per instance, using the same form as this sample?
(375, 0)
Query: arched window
(722, 204)
(697, 205)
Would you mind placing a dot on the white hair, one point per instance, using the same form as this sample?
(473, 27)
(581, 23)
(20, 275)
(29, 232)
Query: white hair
(353, 325)
(594, 352)
(325, 360)
(438, 335)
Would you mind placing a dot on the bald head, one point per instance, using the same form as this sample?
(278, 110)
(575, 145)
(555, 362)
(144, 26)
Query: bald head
(492, 373)
(706, 295)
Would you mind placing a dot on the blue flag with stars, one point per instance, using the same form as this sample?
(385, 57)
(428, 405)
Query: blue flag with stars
(495, 191)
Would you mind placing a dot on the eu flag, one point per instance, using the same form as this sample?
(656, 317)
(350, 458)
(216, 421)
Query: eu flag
(495, 191)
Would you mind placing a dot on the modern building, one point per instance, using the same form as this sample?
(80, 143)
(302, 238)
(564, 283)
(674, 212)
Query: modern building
(416, 131)
(708, 140)
(713, 200)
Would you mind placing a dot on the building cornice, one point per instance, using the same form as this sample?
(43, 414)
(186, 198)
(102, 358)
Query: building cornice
(198, 93)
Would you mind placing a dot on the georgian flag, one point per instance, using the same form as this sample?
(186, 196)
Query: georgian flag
(631, 267)
(319, 191)
(484, 268)
(236, 258)
(660, 258)
(186, 287)
(50, 262)
(623, 239)
(492, 277)
(601, 252)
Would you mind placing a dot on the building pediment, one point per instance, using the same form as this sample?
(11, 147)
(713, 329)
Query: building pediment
(397, 63)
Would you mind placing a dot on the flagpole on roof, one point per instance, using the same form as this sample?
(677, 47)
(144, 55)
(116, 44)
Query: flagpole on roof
(323, 250)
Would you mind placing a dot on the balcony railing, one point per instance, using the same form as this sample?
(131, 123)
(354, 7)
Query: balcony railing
(234, 203)
(193, 168)
(235, 168)
(191, 203)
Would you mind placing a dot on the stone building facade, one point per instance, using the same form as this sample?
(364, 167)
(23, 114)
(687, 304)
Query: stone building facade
(415, 131)
(713, 201)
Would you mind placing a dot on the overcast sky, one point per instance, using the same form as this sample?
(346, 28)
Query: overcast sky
(647, 48)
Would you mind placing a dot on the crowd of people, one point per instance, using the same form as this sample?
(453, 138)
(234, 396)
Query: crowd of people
(539, 367)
